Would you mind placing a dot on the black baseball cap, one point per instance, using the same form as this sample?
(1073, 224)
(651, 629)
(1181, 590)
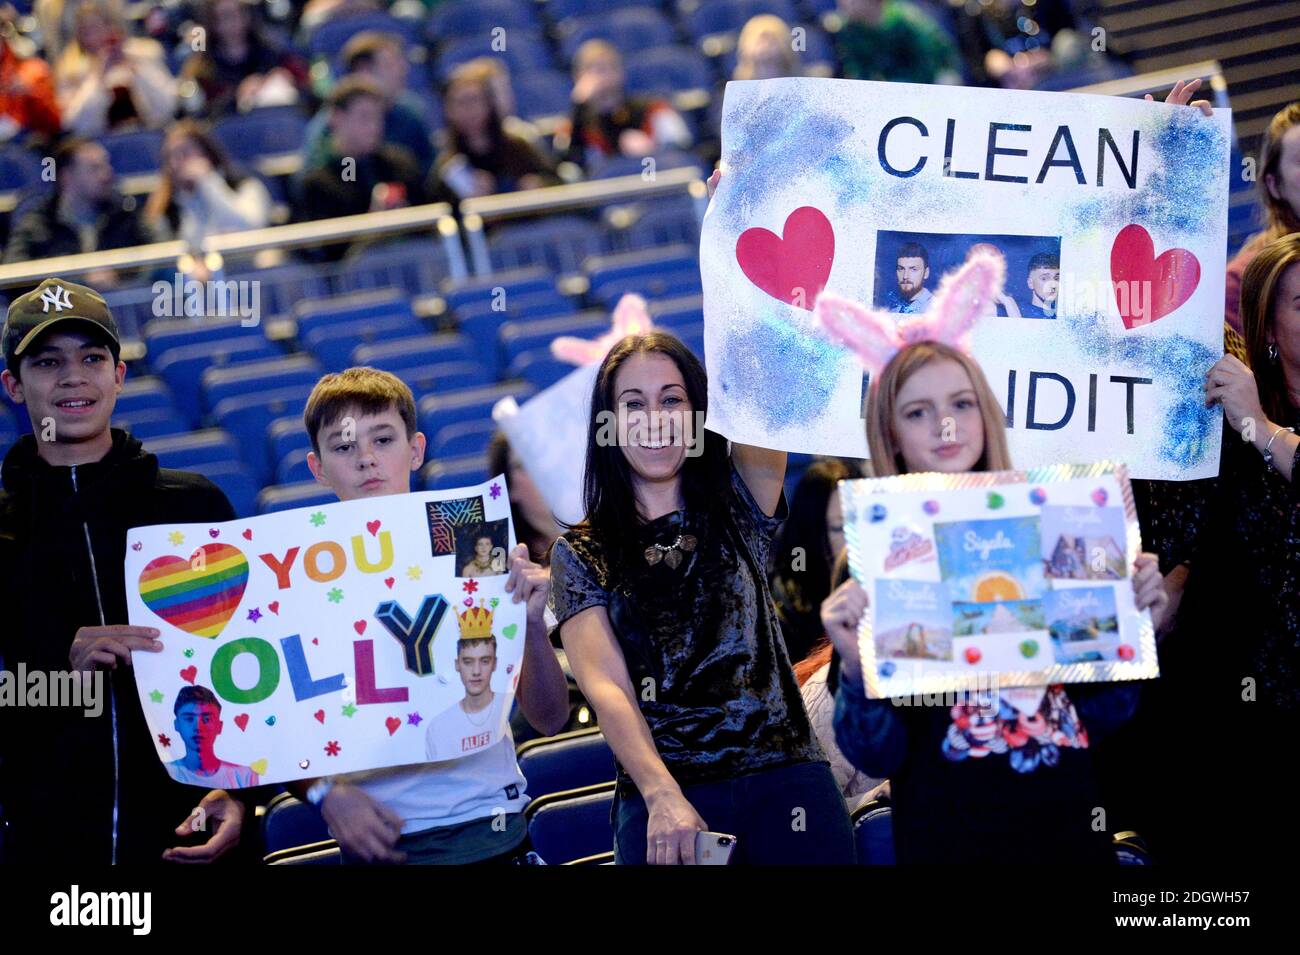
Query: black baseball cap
(56, 302)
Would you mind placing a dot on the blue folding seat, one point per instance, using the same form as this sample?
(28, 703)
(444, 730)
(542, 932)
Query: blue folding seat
(728, 16)
(632, 28)
(556, 243)
(9, 432)
(525, 52)
(289, 822)
(334, 345)
(181, 451)
(465, 439)
(147, 423)
(280, 287)
(332, 35)
(655, 273)
(444, 377)
(268, 131)
(546, 93)
(470, 18)
(20, 167)
(518, 337)
(182, 366)
(538, 367)
(449, 473)
(394, 354)
(164, 334)
(236, 482)
(254, 376)
(133, 307)
(348, 309)
(664, 70)
(472, 404)
(285, 497)
(693, 338)
(143, 393)
(484, 288)
(619, 166)
(571, 824)
(673, 314)
(293, 468)
(248, 416)
(873, 834)
(286, 434)
(416, 266)
(560, 10)
(553, 764)
(661, 222)
(135, 152)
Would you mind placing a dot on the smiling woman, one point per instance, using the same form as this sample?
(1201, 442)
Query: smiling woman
(663, 605)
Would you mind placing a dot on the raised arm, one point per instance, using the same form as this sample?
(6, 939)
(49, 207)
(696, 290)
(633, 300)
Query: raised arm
(763, 472)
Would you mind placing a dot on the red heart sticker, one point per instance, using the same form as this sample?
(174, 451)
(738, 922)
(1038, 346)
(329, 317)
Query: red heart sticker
(1125, 651)
(359, 627)
(795, 266)
(242, 721)
(315, 641)
(373, 527)
(274, 607)
(392, 723)
(320, 716)
(248, 534)
(973, 655)
(189, 673)
(1148, 287)
(389, 581)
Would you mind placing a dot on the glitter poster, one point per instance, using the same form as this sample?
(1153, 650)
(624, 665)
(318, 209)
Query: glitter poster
(1110, 215)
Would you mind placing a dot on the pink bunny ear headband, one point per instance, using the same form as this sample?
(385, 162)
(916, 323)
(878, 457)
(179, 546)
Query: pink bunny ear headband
(877, 336)
(630, 318)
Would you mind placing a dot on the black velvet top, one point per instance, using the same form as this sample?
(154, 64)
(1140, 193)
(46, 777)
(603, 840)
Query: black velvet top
(702, 642)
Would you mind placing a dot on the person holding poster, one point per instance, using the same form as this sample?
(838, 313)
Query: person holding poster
(77, 787)
(956, 798)
(664, 610)
(362, 425)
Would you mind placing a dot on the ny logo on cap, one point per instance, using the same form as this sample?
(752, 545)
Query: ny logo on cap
(57, 296)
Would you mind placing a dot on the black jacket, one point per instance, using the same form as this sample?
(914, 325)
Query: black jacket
(62, 548)
(40, 234)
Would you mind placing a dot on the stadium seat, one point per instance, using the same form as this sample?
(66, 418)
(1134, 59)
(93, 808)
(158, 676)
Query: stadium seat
(467, 18)
(515, 338)
(538, 367)
(231, 381)
(672, 314)
(571, 760)
(139, 394)
(416, 266)
(546, 94)
(728, 16)
(134, 153)
(182, 451)
(164, 334)
(559, 10)
(873, 834)
(632, 28)
(286, 434)
(285, 497)
(664, 70)
(526, 51)
(318, 313)
(485, 288)
(248, 416)
(182, 366)
(293, 468)
(395, 354)
(269, 131)
(444, 377)
(282, 286)
(146, 423)
(661, 222)
(619, 166)
(9, 432)
(480, 323)
(1130, 849)
(20, 167)
(236, 481)
(317, 853)
(654, 273)
(454, 472)
(463, 439)
(556, 243)
(335, 344)
(573, 824)
(332, 35)
(290, 823)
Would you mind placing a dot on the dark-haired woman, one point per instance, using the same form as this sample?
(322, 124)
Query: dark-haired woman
(664, 611)
(200, 193)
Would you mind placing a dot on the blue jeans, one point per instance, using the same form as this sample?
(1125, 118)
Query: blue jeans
(792, 815)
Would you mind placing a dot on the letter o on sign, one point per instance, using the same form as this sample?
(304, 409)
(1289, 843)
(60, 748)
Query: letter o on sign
(268, 675)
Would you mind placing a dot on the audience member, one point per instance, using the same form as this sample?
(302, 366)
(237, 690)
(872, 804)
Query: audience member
(240, 67)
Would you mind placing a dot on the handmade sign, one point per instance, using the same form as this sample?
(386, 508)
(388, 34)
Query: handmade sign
(997, 579)
(330, 639)
(1109, 215)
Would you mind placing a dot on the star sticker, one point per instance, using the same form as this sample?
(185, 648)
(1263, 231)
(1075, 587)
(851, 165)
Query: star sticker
(414, 718)
(318, 518)
(349, 710)
(470, 586)
(162, 738)
(255, 614)
(156, 696)
(335, 595)
(414, 572)
(495, 491)
(176, 537)
(332, 748)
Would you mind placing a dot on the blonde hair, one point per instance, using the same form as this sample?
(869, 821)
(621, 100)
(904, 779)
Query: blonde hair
(1259, 293)
(765, 24)
(1281, 218)
(886, 457)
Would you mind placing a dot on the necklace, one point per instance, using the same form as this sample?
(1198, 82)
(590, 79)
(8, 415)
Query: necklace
(672, 553)
(487, 713)
(481, 565)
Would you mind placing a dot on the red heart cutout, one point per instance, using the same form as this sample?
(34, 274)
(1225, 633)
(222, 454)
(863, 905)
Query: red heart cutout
(320, 716)
(189, 673)
(248, 534)
(392, 723)
(1147, 287)
(795, 267)
(359, 627)
(388, 581)
(241, 721)
(373, 527)
(274, 607)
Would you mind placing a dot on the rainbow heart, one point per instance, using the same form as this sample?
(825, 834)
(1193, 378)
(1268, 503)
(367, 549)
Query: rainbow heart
(196, 595)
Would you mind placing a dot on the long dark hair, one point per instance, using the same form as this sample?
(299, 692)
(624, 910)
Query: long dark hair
(499, 463)
(160, 203)
(805, 528)
(611, 509)
(480, 74)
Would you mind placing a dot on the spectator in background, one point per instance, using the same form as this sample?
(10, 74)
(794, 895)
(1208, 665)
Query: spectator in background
(107, 80)
(240, 68)
(534, 522)
(765, 50)
(606, 122)
(56, 21)
(83, 214)
(362, 172)
(380, 57)
(28, 106)
(200, 193)
(478, 157)
(804, 551)
(1279, 186)
(890, 40)
(503, 97)
(1007, 42)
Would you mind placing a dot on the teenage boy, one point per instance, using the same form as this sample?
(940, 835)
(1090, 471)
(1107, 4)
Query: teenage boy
(76, 787)
(470, 810)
